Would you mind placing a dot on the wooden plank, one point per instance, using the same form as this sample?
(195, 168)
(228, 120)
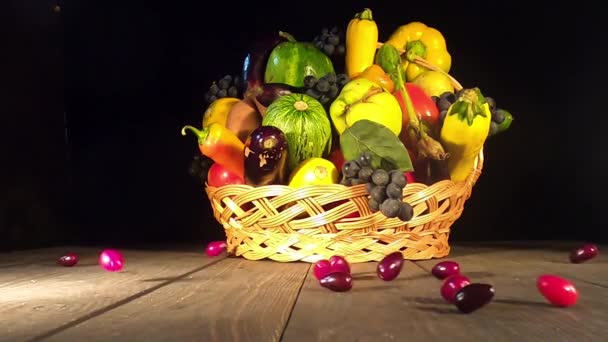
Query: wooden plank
(41, 297)
(235, 300)
(548, 258)
(411, 308)
(523, 308)
(28, 256)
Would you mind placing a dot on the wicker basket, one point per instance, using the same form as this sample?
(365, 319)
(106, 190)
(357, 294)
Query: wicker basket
(284, 224)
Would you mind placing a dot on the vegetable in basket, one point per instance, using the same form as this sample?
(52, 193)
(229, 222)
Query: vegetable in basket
(265, 156)
(361, 41)
(218, 176)
(464, 132)
(420, 40)
(220, 144)
(254, 64)
(376, 74)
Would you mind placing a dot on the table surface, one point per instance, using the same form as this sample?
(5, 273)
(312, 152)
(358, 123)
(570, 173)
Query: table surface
(179, 294)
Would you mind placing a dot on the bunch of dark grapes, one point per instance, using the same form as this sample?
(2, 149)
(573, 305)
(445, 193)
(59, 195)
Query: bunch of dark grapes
(499, 115)
(199, 167)
(331, 42)
(384, 187)
(325, 89)
(227, 86)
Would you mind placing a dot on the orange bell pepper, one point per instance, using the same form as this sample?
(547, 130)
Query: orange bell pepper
(376, 74)
(222, 146)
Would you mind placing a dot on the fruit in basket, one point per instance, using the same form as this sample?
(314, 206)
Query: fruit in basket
(385, 149)
(362, 99)
(266, 151)
(221, 145)
(433, 83)
(314, 171)
(255, 62)
(464, 132)
(331, 42)
(376, 74)
(226, 87)
(473, 297)
(218, 111)
(361, 40)
(337, 158)
(420, 40)
(390, 266)
(337, 281)
(243, 118)
(326, 88)
(424, 107)
(501, 121)
(291, 61)
(199, 167)
(305, 124)
(220, 176)
(583, 253)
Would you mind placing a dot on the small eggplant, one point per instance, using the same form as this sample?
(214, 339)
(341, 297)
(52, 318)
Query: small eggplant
(265, 156)
(271, 91)
(255, 61)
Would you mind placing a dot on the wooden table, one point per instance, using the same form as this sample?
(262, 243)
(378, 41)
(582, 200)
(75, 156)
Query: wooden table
(179, 294)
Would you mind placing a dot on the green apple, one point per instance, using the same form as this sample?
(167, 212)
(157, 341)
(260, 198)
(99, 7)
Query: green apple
(434, 83)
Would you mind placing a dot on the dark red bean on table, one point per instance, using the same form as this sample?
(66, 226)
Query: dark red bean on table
(473, 296)
(583, 253)
(68, 260)
(558, 291)
(444, 269)
(390, 266)
(339, 264)
(337, 281)
(321, 268)
(452, 284)
(215, 248)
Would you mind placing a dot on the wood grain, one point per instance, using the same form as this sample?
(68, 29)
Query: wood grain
(234, 300)
(41, 297)
(548, 258)
(411, 308)
(519, 311)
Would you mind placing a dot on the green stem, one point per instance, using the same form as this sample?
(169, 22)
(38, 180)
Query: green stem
(287, 36)
(201, 134)
(366, 14)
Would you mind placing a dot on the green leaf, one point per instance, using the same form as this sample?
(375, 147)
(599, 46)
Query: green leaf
(388, 152)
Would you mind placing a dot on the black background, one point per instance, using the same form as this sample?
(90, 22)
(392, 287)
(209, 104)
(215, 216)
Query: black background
(129, 75)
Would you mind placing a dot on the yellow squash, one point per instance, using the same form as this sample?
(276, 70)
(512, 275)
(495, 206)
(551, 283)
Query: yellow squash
(464, 132)
(361, 43)
(418, 39)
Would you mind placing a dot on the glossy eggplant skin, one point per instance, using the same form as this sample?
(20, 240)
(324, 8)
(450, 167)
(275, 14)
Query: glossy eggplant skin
(254, 63)
(271, 91)
(265, 156)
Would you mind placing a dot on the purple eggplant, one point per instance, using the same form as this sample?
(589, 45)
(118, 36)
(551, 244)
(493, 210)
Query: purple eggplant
(271, 91)
(255, 61)
(265, 156)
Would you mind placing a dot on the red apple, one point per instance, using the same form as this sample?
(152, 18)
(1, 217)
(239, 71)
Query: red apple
(337, 158)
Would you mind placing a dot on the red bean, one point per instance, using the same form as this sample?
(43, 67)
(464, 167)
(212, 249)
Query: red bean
(453, 284)
(337, 281)
(321, 269)
(215, 248)
(68, 260)
(558, 291)
(473, 297)
(445, 269)
(339, 264)
(583, 253)
(390, 266)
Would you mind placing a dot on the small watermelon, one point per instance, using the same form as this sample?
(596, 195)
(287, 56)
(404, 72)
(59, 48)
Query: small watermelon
(291, 61)
(306, 126)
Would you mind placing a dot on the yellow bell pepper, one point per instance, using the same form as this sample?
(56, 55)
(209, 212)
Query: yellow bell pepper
(418, 39)
(361, 43)
(464, 132)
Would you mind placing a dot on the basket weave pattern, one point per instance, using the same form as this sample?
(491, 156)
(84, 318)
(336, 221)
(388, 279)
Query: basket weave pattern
(284, 224)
